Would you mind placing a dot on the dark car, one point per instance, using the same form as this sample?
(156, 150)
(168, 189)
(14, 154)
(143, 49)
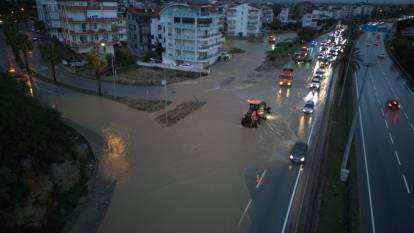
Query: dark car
(393, 105)
(299, 152)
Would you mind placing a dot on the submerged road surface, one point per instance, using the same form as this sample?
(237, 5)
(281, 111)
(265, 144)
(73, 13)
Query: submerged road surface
(206, 173)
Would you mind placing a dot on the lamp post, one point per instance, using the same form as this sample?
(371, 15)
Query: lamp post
(103, 45)
(344, 172)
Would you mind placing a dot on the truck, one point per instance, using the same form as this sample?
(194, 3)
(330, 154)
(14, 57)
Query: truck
(286, 77)
(304, 55)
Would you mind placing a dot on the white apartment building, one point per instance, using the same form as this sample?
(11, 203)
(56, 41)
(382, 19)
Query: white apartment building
(244, 20)
(283, 16)
(268, 15)
(190, 34)
(91, 24)
(307, 21)
(48, 13)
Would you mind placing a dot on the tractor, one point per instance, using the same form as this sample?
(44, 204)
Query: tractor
(257, 111)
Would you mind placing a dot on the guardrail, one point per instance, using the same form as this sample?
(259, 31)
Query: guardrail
(391, 53)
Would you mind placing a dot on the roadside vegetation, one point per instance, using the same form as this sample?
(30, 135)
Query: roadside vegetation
(339, 209)
(402, 46)
(44, 164)
(234, 50)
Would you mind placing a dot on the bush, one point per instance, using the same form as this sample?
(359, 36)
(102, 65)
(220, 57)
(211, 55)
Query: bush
(26, 127)
(123, 57)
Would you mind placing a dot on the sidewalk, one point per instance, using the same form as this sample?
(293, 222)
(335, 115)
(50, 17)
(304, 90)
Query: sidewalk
(72, 79)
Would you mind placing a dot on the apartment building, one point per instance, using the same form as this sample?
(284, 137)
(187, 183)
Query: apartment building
(48, 13)
(268, 15)
(283, 16)
(139, 29)
(91, 24)
(190, 33)
(244, 20)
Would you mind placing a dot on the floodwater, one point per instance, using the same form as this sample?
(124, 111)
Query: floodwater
(197, 175)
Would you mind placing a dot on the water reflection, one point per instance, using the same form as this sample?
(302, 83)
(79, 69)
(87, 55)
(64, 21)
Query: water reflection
(282, 94)
(114, 160)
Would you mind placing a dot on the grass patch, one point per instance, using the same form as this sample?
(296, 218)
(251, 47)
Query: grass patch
(179, 112)
(234, 50)
(143, 105)
(339, 207)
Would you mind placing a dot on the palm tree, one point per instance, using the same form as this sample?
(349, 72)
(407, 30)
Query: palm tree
(98, 64)
(348, 63)
(50, 53)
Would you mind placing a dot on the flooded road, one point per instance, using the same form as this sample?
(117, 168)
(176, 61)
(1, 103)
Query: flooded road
(201, 174)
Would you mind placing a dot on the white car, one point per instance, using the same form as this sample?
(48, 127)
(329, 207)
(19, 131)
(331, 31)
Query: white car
(315, 85)
(186, 65)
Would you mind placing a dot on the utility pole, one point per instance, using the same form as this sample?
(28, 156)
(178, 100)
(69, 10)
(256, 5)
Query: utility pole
(164, 83)
(344, 172)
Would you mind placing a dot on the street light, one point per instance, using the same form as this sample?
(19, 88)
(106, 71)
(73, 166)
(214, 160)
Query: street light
(103, 45)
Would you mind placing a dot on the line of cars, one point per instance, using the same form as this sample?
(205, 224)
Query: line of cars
(329, 51)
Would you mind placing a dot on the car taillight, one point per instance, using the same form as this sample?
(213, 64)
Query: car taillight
(389, 105)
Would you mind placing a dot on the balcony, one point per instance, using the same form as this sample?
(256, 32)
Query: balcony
(205, 58)
(210, 36)
(206, 47)
(89, 20)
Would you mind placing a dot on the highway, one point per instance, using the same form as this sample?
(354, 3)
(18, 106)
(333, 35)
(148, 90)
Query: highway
(384, 144)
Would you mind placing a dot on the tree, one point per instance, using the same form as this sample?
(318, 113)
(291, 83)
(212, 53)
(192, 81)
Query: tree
(40, 26)
(306, 34)
(158, 49)
(98, 64)
(11, 34)
(50, 53)
(277, 8)
(349, 62)
(25, 45)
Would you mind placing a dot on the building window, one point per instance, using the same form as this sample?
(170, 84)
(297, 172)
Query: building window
(177, 19)
(188, 20)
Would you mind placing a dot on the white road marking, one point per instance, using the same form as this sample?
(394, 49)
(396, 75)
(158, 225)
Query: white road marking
(406, 184)
(398, 158)
(261, 178)
(245, 212)
(366, 163)
(392, 140)
(291, 199)
(406, 116)
(310, 134)
(412, 127)
(386, 124)
(382, 111)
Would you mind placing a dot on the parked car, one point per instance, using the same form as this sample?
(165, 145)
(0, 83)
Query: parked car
(186, 65)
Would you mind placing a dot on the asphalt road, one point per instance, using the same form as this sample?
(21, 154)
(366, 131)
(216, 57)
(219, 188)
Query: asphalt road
(201, 174)
(385, 144)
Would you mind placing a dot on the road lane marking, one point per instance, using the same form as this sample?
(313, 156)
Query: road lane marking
(245, 212)
(291, 199)
(382, 111)
(412, 127)
(261, 178)
(386, 124)
(406, 116)
(310, 134)
(366, 163)
(392, 140)
(398, 158)
(406, 184)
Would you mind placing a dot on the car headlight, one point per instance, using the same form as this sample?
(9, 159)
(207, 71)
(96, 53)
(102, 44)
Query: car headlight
(291, 156)
(280, 83)
(302, 159)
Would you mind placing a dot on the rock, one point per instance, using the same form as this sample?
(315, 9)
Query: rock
(80, 150)
(7, 176)
(31, 215)
(65, 175)
(39, 186)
